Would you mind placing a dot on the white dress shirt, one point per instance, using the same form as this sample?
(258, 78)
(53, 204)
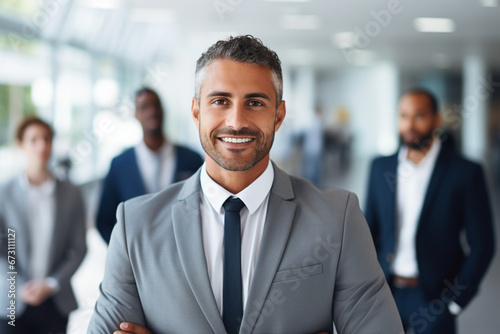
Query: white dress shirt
(156, 167)
(253, 216)
(41, 203)
(413, 181)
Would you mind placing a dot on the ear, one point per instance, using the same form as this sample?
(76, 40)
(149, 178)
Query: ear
(280, 115)
(438, 121)
(195, 112)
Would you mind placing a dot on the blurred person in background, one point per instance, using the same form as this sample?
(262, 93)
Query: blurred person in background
(312, 161)
(42, 229)
(148, 167)
(420, 201)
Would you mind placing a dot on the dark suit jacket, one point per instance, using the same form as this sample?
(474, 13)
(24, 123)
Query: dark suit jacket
(124, 182)
(456, 201)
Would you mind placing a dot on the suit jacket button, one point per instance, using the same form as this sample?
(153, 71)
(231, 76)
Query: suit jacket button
(389, 257)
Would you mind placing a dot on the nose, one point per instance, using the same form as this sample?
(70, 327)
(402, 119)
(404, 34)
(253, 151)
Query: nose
(43, 145)
(407, 123)
(236, 117)
(150, 111)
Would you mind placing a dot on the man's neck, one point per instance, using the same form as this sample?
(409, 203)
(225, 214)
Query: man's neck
(234, 182)
(416, 155)
(154, 142)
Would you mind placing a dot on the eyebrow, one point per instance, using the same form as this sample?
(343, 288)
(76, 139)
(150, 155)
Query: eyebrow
(247, 96)
(216, 93)
(261, 95)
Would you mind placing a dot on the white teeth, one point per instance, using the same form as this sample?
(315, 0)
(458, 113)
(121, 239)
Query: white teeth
(236, 140)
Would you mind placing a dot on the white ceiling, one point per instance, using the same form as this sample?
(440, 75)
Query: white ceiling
(477, 28)
(196, 24)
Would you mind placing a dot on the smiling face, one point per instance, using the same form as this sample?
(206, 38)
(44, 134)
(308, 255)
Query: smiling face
(237, 115)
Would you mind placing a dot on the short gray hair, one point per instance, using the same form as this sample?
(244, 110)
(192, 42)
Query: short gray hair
(244, 49)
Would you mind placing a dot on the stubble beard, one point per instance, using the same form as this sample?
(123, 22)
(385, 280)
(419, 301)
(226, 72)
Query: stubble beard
(263, 146)
(422, 143)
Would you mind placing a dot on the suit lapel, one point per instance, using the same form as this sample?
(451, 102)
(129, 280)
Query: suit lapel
(57, 225)
(392, 172)
(138, 183)
(437, 176)
(20, 200)
(278, 225)
(188, 235)
(178, 161)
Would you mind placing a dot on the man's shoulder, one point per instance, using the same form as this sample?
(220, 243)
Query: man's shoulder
(304, 190)
(462, 166)
(184, 149)
(165, 197)
(125, 156)
(146, 208)
(186, 152)
(459, 159)
(67, 187)
(384, 160)
(322, 210)
(7, 186)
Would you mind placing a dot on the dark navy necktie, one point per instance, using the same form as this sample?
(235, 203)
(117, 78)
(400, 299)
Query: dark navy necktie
(232, 285)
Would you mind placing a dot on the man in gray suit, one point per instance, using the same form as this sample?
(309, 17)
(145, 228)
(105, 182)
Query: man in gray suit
(307, 258)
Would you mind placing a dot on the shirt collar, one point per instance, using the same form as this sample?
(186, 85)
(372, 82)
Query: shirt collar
(46, 188)
(253, 196)
(431, 155)
(160, 152)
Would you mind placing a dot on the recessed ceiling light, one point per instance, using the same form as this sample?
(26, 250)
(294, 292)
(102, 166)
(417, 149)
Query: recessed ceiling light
(434, 24)
(301, 22)
(344, 40)
(152, 15)
(287, 0)
(489, 3)
(103, 4)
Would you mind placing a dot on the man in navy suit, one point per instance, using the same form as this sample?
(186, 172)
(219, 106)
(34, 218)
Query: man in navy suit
(420, 202)
(146, 168)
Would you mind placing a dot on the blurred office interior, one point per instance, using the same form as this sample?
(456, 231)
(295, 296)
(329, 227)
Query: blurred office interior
(77, 63)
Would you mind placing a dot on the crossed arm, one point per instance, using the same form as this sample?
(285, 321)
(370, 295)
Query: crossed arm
(131, 328)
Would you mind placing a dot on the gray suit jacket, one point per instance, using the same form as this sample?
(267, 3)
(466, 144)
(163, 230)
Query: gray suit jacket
(316, 266)
(68, 241)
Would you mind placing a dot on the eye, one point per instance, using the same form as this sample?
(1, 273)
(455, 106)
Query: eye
(255, 103)
(220, 102)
